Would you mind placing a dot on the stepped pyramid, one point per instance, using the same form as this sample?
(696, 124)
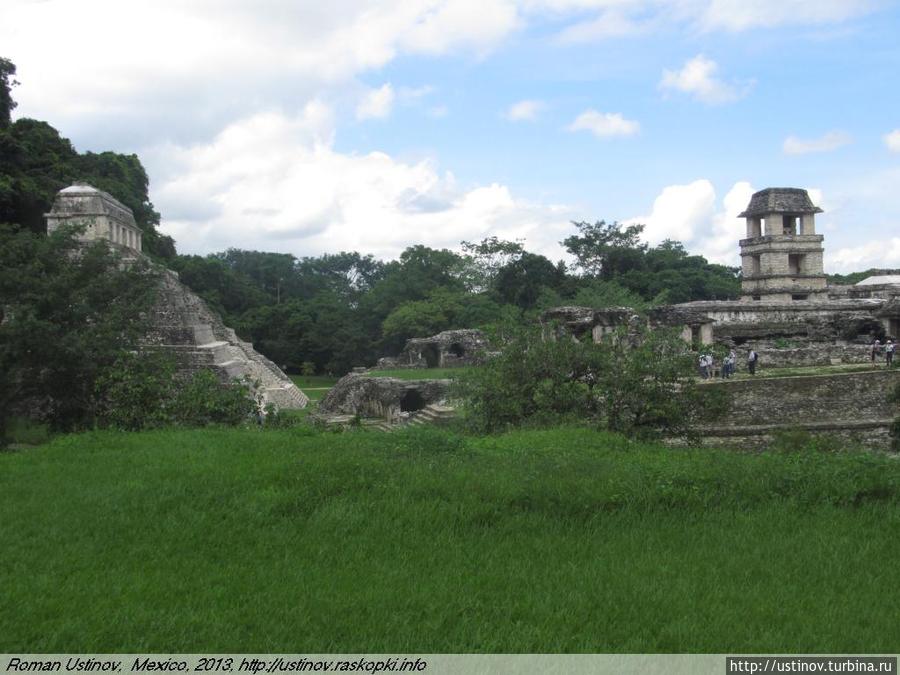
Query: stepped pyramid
(181, 321)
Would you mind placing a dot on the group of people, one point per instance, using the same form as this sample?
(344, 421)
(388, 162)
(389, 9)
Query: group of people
(888, 348)
(708, 364)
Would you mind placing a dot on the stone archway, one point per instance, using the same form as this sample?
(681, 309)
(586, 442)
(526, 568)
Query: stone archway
(411, 401)
(432, 355)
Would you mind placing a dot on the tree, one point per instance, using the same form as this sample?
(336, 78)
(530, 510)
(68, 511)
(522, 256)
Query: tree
(7, 82)
(606, 249)
(488, 257)
(68, 311)
(520, 282)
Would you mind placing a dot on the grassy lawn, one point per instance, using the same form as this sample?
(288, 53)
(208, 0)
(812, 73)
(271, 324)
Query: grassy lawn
(314, 386)
(560, 540)
(422, 373)
(796, 371)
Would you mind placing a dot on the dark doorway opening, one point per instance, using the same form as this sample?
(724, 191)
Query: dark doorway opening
(695, 337)
(457, 350)
(412, 400)
(432, 356)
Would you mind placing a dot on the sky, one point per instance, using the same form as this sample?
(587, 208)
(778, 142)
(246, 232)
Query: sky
(308, 127)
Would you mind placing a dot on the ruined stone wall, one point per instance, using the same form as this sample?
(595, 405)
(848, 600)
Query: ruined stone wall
(850, 405)
(449, 349)
(378, 397)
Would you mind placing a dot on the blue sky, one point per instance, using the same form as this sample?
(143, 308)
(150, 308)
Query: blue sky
(304, 127)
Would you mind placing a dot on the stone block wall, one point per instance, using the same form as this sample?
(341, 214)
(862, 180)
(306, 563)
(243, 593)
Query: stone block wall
(850, 405)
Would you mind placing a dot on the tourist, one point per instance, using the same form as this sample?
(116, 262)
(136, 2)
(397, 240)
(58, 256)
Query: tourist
(889, 352)
(752, 359)
(876, 351)
(704, 367)
(728, 365)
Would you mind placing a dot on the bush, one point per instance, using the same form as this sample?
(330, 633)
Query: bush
(638, 382)
(135, 391)
(204, 400)
(141, 390)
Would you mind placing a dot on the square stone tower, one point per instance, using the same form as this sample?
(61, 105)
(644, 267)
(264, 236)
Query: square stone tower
(781, 258)
(104, 216)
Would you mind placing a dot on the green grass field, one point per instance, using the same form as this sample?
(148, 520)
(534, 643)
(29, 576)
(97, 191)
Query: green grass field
(534, 541)
(314, 386)
(421, 373)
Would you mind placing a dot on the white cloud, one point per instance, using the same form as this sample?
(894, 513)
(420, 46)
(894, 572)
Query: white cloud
(240, 53)
(741, 15)
(604, 125)
(609, 24)
(376, 103)
(275, 182)
(605, 19)
(690, 214)
(884, 253)
(892, 140)
(679, 211)
(524, 110)
(720, 242)
(698, 78)
(826, 143)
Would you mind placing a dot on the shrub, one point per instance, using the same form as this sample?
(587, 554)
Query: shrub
(135, 391)
(638, 382)
(141, 390)
(204, 400)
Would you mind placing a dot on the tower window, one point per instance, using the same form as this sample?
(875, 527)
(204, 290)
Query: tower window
(796, 263)
(755, 228)
(789, 224)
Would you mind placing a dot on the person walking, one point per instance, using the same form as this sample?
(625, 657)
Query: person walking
(876, 350)
(752, 359)
(889, 353)
(704, 367)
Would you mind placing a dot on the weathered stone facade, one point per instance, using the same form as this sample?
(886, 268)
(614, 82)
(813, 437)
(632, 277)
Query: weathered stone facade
(181, 322)
(784, 260)
(386, 398)
(103, 215)
(851, 405)
(449, 349)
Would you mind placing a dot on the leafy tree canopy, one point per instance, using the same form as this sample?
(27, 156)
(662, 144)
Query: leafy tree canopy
(66, 313)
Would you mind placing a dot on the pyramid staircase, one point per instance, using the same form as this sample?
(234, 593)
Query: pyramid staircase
(184, 324)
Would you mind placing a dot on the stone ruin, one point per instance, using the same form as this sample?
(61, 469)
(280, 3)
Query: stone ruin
(791, 317)
(181, 322)
(103, 216)
(449, 349)
(786, 312)
(387, 399)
